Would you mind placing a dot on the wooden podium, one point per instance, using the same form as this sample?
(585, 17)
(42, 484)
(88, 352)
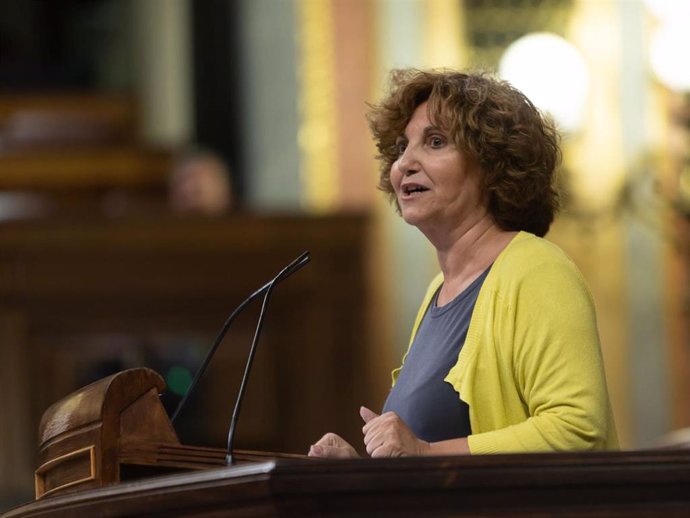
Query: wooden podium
(89, 438)
(114, 430)
(618, 484)
(95, 443)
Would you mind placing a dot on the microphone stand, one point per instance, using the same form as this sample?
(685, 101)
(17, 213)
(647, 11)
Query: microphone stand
(245, 376)
(267, 289)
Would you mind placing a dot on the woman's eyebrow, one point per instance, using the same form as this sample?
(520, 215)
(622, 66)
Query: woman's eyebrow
(425, 133)
(430, 129)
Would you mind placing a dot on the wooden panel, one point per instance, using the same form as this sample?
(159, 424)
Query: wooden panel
(75, 141)
(70, 470)
(614, 484)
(129, 292)
(30, 121)
(85, 169)
(17, 424)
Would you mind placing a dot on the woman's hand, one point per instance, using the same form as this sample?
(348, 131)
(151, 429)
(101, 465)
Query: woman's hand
(333, 446)
(388, 436)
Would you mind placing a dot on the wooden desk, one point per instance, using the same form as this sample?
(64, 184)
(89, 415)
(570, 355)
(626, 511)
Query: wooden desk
(621, 484)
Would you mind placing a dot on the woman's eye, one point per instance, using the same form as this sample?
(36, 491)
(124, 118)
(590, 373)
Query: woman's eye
(436, 141)
(400, 147)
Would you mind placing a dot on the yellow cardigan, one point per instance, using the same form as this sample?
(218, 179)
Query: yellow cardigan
(531, 369)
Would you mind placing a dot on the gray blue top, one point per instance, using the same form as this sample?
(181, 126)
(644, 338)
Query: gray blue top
(426, 403)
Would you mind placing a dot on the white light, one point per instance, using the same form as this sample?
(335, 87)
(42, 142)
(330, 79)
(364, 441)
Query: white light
(552, 73)
(669, 10)
(668, 55)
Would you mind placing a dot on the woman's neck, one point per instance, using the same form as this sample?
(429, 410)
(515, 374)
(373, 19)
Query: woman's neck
(464, 254)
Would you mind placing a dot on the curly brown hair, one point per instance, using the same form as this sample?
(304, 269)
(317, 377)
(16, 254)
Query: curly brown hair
(516, 147)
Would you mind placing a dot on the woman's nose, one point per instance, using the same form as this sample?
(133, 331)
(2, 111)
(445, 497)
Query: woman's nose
(408, 162)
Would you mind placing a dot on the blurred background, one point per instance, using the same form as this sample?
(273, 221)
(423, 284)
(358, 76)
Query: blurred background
(161, 159)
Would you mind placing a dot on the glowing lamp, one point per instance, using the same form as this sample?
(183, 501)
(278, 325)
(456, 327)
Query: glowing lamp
(668, 55)
(552, 73)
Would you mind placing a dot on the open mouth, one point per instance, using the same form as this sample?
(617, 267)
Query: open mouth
(413, 188)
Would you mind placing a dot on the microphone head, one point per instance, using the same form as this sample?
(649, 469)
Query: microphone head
(295, 265)
(304, 258)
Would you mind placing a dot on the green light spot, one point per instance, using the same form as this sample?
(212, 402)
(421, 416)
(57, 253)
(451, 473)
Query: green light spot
(178, 380)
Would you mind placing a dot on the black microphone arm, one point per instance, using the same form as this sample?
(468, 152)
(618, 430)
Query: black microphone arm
(291, 268)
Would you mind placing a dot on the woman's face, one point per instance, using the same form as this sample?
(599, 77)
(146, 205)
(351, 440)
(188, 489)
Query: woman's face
(436, 185)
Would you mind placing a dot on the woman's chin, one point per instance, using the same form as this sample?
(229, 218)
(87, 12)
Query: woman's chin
(412, 217)
(409, 219)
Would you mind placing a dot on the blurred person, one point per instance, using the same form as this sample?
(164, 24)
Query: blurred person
(505, 353)
(17, 205)
(200, 183)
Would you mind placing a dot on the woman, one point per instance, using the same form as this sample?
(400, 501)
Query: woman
(504, 354)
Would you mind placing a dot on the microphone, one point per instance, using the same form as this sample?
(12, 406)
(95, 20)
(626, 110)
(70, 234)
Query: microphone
(288, 270)
(266, 289)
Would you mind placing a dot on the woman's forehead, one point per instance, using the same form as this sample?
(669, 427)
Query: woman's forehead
(431, 112)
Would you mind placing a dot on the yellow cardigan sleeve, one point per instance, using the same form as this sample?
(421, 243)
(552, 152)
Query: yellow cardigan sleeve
(545, 329)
